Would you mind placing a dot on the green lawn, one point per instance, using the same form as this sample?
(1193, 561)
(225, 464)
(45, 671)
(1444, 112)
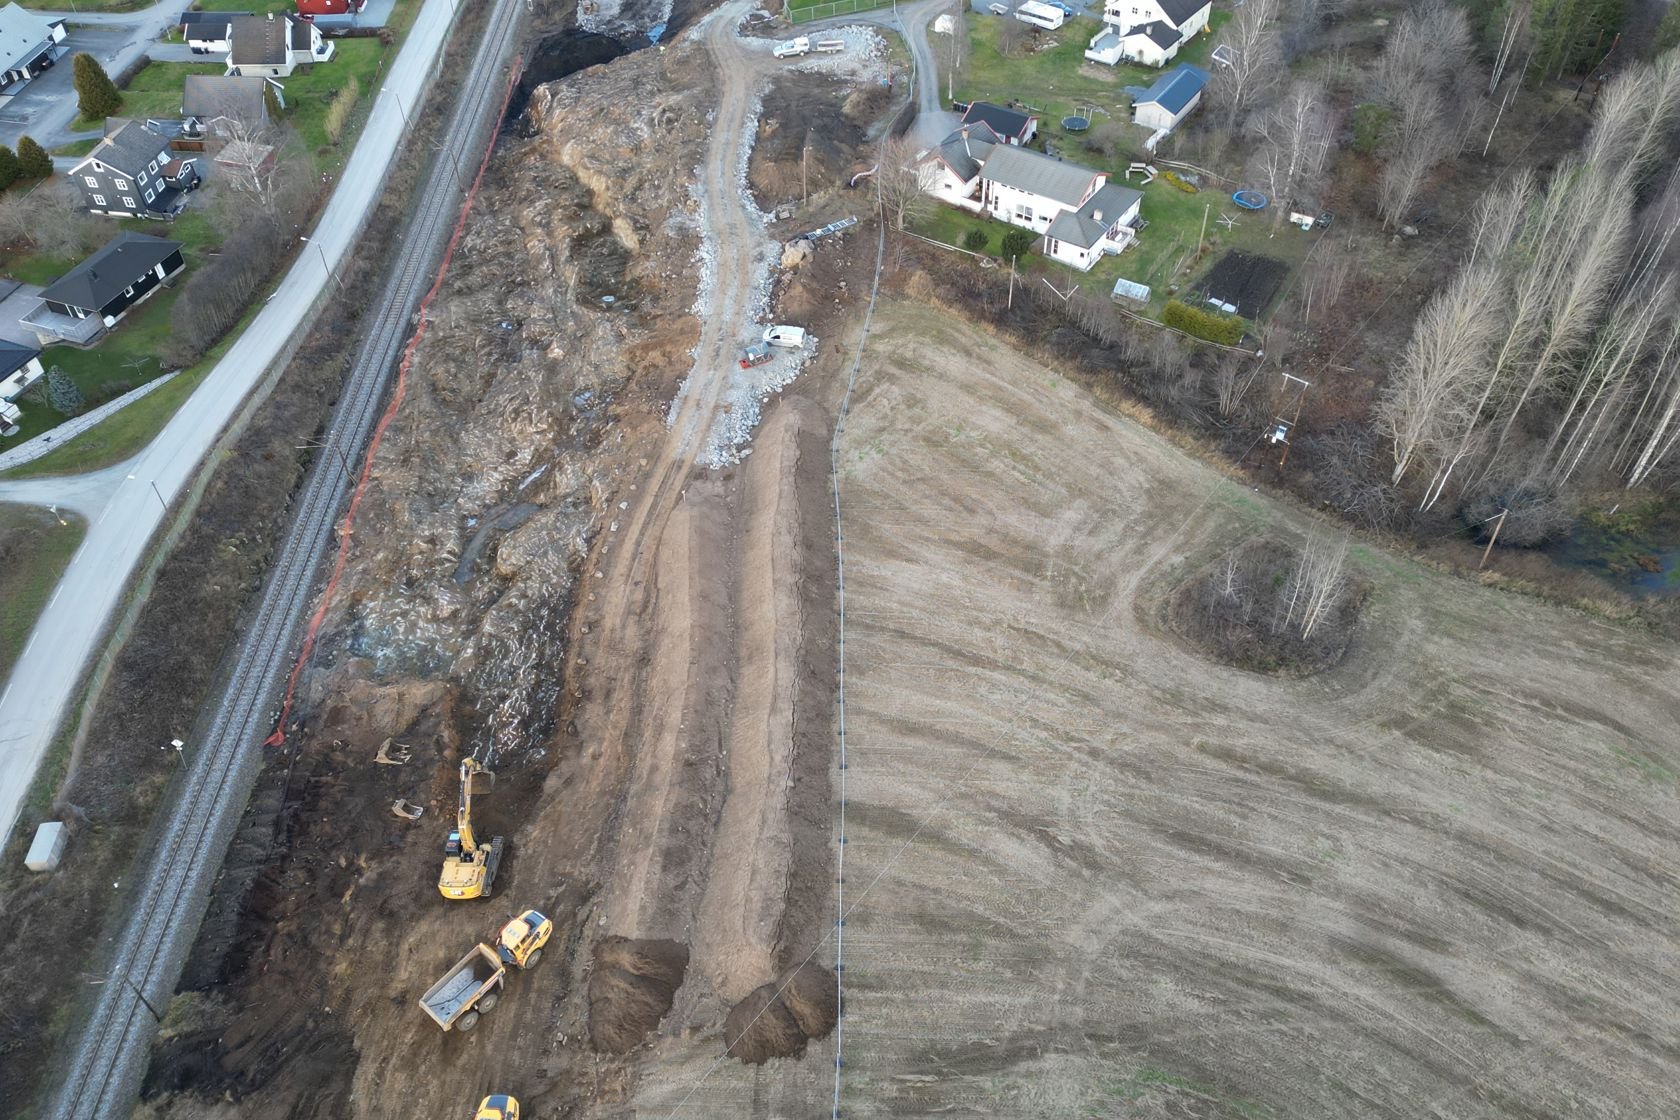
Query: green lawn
(309, 92)
(257, 7)
(1057, 81)
(808, 12)
(37, 268)
(34, 550)
(77, 147)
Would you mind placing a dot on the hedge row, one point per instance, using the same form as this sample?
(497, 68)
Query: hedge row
(1224, 329)
(1180, 182)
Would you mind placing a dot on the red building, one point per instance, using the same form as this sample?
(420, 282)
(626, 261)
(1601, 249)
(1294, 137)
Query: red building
(328, 7)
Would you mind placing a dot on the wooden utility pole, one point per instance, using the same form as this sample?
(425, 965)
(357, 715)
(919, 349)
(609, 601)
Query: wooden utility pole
(1202, 240)
(1011, 304)
(804, 156)
(1499, 520)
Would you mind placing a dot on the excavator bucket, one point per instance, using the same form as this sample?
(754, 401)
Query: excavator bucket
(481, 783)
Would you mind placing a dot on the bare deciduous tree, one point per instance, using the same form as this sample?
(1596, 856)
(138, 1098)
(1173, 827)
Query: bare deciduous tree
(1295, 142)
(1013, 36)
(1441, 374)
(1317, 583)
(903, 182)
(1252, 59)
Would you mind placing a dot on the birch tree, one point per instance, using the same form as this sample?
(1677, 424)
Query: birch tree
(1432, 394)
(1295, 136)
(1253, 58)
(1316, 584)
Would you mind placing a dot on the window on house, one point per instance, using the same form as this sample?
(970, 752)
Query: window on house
(142, 177)
(99, 200)
(90, 180)
(122, 184)
(148, 194)
(128, 291)
(152, 166)
(128, 202)
(1023, 213)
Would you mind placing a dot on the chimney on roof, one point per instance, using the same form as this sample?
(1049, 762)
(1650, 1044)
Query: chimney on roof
(270, 17)
(1097, 214)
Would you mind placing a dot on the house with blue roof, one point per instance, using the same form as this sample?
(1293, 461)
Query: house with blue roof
(1173, 97)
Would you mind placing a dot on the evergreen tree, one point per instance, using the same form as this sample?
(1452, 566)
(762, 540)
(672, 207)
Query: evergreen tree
(9, 169)
(96, 94)
(1572, 36)
(33, 159)
(62, 393)
(1668, 31)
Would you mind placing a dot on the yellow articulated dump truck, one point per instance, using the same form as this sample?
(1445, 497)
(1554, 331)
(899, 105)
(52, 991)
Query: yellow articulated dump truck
(470, 989)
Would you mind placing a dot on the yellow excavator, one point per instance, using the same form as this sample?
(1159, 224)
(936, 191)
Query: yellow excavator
(469, 867)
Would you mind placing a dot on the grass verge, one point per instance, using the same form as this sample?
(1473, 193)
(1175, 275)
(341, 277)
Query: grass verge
(35, 546)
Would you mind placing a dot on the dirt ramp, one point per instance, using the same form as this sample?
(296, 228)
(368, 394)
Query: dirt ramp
(630, 990)
(778, 1019)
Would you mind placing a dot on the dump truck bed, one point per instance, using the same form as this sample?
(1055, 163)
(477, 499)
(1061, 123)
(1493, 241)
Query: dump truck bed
(462, 985)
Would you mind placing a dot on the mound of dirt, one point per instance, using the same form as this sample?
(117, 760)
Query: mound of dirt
(630, 990)
(776, 1020)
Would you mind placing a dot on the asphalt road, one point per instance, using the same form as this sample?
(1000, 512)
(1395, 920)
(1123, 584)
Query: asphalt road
(70, 630)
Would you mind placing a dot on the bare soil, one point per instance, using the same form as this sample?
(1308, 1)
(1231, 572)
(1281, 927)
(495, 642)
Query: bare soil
(644, 651)
(1091, 872)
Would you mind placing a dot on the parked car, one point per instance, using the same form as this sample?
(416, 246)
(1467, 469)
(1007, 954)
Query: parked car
(999, 9)
(1066, 11)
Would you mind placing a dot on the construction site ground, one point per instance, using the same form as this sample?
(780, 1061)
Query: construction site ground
(1087, 871)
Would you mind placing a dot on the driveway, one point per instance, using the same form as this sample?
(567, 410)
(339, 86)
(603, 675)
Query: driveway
(180, 52)
(18, 301)
(48, 104)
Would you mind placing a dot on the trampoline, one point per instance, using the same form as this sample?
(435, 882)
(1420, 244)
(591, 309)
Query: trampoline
(1249, 200)
(1075, 124)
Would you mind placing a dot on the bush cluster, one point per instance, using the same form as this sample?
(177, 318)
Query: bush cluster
(1212, 326)
(1180, 182)
(1017, 242)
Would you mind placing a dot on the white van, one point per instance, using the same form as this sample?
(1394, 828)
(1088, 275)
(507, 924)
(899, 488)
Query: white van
(793, 48)
(1041, 15)
(780, 335)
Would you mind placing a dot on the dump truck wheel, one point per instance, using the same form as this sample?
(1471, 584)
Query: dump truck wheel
(531, 961)
(467, 1022)
(488, 1003)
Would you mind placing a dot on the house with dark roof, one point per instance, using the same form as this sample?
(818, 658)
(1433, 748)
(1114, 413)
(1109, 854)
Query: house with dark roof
(91, 298)
(1147, 31)
(950, 171)
(20, 367)
(29, 44)
(1172, 97)
(230, 108)
(1011, 125)
(272, 47)
(132, 173)
(208, 32)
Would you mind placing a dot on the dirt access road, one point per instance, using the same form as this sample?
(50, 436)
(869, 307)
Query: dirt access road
(1089, 873)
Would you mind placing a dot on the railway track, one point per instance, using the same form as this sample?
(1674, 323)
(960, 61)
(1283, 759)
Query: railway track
(103, 1076)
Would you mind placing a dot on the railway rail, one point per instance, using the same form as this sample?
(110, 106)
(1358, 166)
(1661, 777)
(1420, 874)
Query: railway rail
(103, 1076)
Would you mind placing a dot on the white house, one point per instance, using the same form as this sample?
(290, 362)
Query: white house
(1173, 97)
(1147, 31)
(263, 46)
(29, 44)
(951, 171)
(1078, 212)
(20, 367)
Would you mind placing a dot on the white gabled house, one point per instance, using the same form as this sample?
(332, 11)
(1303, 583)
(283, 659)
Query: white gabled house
(1079, 213)
(263, 46)
(1147, 31)
(951, 172)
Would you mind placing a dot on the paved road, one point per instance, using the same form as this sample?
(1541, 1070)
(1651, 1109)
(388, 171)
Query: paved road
(933, 120)
(70, 629)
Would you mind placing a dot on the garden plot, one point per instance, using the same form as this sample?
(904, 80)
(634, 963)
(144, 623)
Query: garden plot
(1247, 281)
